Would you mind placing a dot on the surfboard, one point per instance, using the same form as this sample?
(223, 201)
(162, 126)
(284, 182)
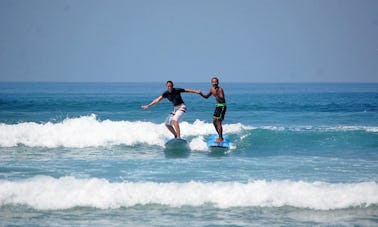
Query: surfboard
(218, 147)
(177, 148)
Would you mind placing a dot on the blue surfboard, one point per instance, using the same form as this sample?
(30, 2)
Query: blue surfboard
(177, 148)
(218, 147)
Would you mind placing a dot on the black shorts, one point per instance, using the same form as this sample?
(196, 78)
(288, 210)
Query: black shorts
(219, 113)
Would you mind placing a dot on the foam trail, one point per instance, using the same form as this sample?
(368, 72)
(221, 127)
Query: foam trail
(47, 193)
(88, 131)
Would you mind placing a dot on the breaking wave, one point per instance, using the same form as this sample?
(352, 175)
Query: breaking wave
(47, 193)
(88, 131)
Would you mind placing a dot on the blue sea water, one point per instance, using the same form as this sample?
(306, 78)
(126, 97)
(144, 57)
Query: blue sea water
(85, 154)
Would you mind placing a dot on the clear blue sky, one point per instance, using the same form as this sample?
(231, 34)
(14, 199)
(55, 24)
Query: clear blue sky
(189, 41)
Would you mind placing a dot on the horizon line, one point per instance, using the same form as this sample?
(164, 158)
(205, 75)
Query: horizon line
(163, 81)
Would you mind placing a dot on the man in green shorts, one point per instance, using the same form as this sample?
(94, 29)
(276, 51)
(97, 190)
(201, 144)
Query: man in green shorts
(220, 107)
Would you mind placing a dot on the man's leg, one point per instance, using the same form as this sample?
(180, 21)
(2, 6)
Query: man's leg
(168, 124)
(215, 125)
(176, 118)
(218, 127)
(172, 130)
(177, 128)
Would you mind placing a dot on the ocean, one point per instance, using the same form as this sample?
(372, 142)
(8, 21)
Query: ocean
(86, 154)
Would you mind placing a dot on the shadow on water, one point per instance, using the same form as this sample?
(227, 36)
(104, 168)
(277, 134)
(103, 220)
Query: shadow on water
(177, 153)
(218, 152)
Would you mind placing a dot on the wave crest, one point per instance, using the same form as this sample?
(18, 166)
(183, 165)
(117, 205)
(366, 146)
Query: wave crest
(48, 193)
(88, 131)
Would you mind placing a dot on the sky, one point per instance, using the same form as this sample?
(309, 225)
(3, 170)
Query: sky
(258, 41)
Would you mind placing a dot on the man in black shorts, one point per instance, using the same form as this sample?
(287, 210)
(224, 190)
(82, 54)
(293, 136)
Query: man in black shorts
(220, 106)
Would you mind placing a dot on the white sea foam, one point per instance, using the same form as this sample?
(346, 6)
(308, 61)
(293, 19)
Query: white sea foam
(48, 193)
(88, 131)
(342, 128)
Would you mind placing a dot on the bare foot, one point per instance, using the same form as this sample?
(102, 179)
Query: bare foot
(219, 140)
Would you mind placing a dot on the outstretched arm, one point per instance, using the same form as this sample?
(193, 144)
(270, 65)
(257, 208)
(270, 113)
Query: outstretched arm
(193, 91)
(207, 95)
(155, 101)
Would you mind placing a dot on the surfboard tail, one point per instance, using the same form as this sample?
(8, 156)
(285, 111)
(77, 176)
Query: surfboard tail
(212, 142)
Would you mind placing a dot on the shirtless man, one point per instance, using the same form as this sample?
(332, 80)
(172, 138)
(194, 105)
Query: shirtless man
(220, 106)
(174, 96)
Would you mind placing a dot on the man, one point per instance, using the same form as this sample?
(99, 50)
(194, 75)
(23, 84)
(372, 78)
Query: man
(174, 96)
(220, 107)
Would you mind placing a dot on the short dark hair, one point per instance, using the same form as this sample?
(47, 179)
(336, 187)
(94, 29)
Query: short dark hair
(169, 81)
